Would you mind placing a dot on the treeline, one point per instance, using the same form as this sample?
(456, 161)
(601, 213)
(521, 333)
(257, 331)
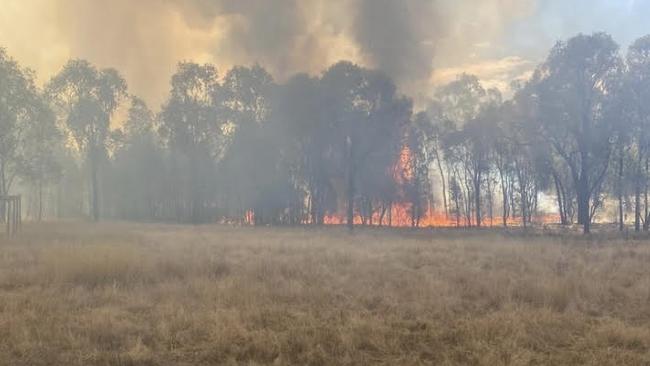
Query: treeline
(241, 147)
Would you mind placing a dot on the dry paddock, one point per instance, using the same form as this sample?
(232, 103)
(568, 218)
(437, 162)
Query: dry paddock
(126, 294)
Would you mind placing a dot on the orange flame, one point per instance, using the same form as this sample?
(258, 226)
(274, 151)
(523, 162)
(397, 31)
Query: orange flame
(400, 216)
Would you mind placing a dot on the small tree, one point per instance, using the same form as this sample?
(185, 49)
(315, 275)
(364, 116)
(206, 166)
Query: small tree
(17, 97)
(86, 99)
(193, 131)
(633, 131)
(416, 174)
(139, 173)
(41, 141)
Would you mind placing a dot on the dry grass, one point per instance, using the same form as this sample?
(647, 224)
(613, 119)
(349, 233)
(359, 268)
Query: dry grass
(120, 294)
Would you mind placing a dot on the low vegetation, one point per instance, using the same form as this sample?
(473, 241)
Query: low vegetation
(125, 294)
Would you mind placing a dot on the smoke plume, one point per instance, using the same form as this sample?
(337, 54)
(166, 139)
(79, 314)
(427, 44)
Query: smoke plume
(145, 39)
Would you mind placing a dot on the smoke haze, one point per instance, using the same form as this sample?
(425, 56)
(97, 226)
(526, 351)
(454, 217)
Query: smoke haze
(420, 43)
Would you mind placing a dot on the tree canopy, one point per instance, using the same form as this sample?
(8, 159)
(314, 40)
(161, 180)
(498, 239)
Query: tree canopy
(343, 147)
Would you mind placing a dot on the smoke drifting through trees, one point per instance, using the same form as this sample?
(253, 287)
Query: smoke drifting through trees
(344, 147)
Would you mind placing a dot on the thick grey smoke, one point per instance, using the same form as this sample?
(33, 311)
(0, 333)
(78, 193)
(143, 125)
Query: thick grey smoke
(286, 35)
(266, 32)
(399, 37)
(145, 39)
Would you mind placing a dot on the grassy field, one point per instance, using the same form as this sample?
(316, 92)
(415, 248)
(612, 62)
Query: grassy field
(123, 294)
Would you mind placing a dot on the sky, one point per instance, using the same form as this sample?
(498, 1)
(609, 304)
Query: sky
(420, 43)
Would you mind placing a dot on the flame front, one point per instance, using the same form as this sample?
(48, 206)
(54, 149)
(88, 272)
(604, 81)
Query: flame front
(400, 217)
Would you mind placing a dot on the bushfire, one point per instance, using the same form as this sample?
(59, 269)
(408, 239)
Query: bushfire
(399, 216)
(400, 212)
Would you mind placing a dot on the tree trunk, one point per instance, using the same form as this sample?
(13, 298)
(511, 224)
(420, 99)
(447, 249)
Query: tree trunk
(504, 193)
(534, 211)
(311, 207)
(646, 223)
(621, 219)
(490, 201)
(560, 205)
(524, 205)
(415, 208)
(522, 194)
(40, 201)
(350, 185)
(383, 213)
(195, 197)
(444, 185)
(583, 205)
(3, 192)
(94, 186)
(477, 197)
(637, 205)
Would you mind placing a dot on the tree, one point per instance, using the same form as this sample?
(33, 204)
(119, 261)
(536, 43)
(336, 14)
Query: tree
(368, 116)
(573, 88)
(471, 110)
(416, 173)
(479, 136)
(28, 134)
(40, 142)
(139, 173)
(253, 163)
(461, 100)
(440, 127)
(193, 131)
(503, 156)
(298, 113)
(87, 99)
(633, 130)
(17, 95)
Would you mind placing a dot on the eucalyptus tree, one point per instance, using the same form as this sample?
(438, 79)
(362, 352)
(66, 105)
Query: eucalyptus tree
(28, 134)
(417, 183)
(252, 164)
(573, 88)
(633, 130)
(387, 115)
(461, 100)
(440, 127)
(193, 132)
(367, 117)
(298, 110)
(17, 94)
(480, 134)
(86, 99)
(42, 140)
(469, 109)
(139, 170)
(502, 157)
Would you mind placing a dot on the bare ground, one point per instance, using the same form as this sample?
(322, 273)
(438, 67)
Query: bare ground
(125, 294)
